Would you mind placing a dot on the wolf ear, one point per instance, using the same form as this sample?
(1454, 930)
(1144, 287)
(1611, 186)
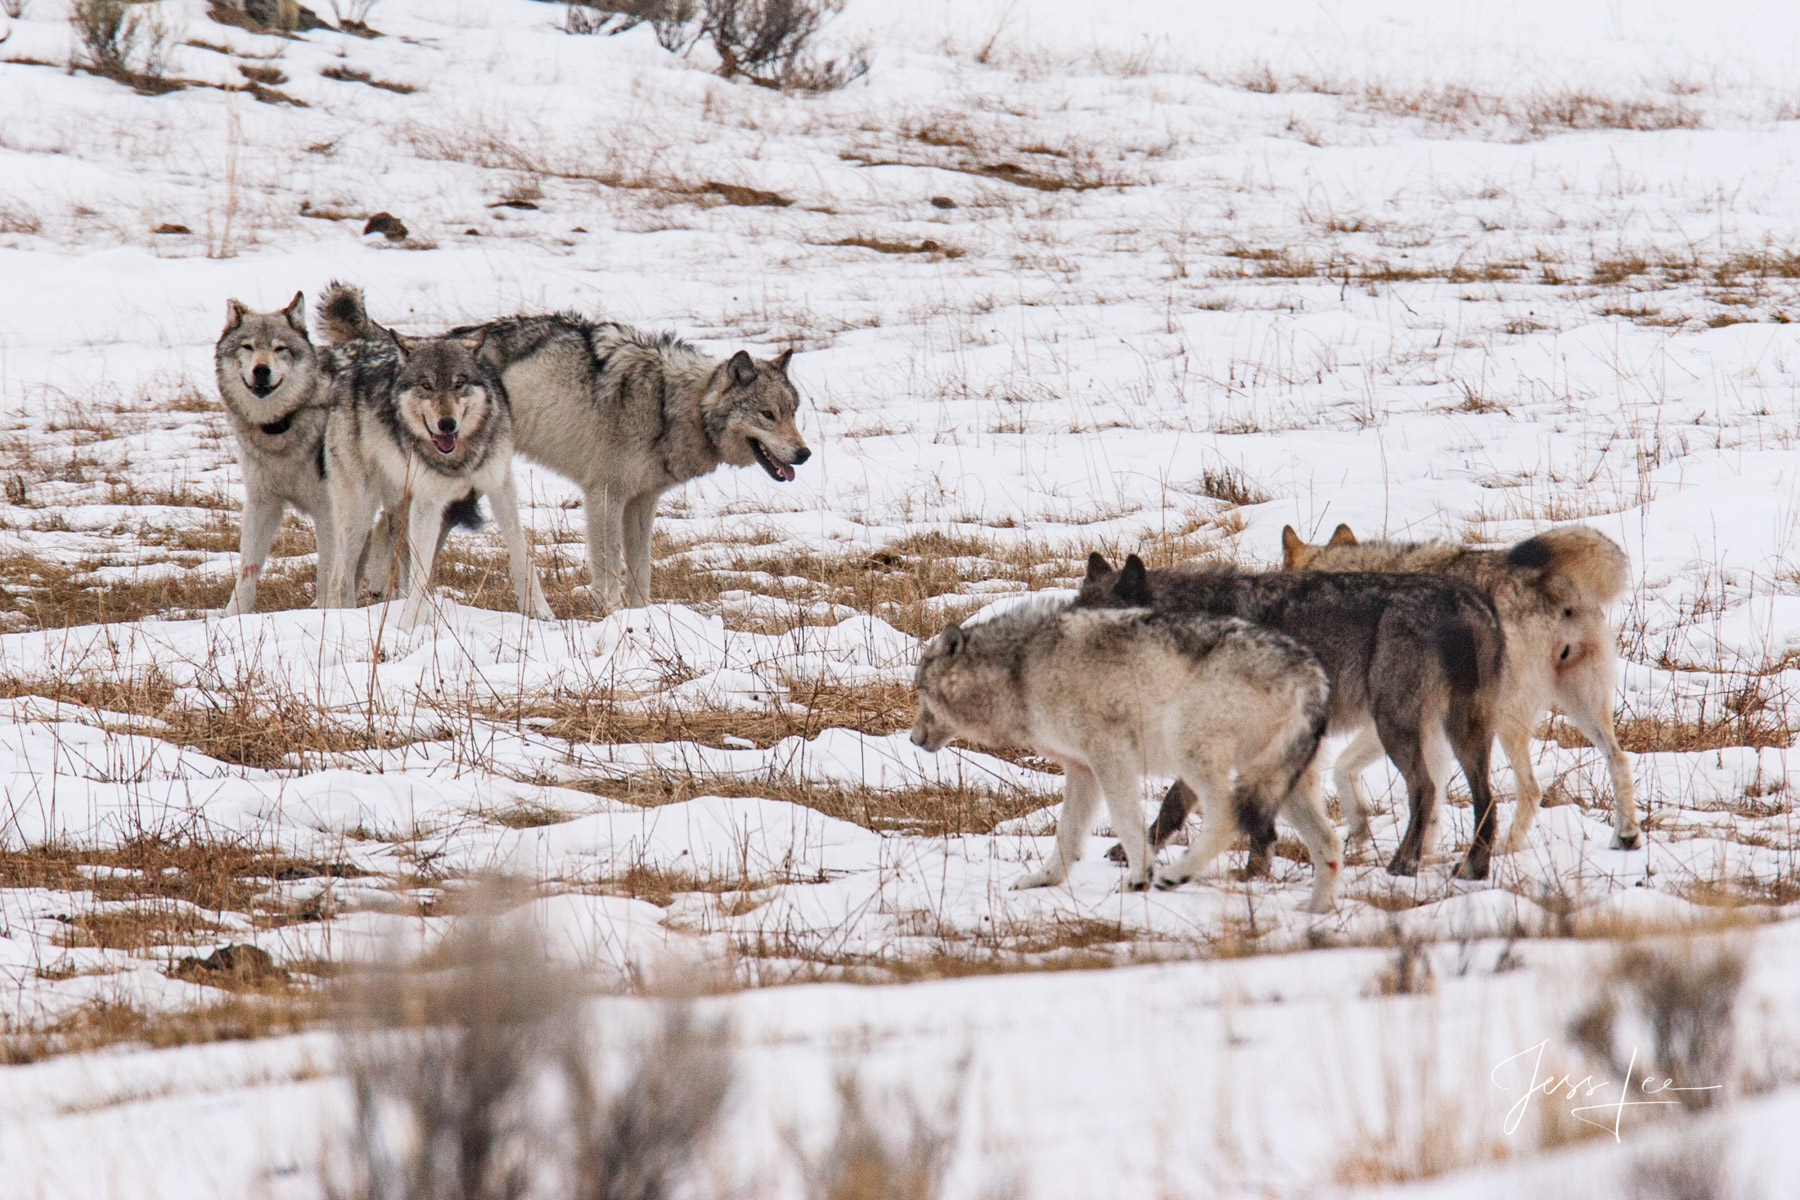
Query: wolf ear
(405, 345)
(952, 637)
(1291, 545)
(1098, 567)
(1341, 536)
(741, 369)
(235, 312)
(781, 360)
(475, 341)
(1132, 587)
(295, 312)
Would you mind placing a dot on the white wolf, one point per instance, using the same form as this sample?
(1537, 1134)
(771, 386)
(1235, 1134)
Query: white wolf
(275, 387)
(1115, 695)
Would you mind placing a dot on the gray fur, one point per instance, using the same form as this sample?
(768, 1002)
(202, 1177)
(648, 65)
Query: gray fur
(416, 427)
(274, 384)
(629, 415)
(1418, 657)
(1550, 592)
(1116, 695)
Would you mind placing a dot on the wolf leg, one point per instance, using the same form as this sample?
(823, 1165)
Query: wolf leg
(640, 520)
(1346, 774)
(262, 522)
(1119, 785)
(1474, 753)
(1585, 696)
(1515, 743)
(1177, 803)
(1081, 796)
(352, 511)
(1305, 808)
(606, 547)
(518, 556)
(1401, 739)
(1218, 825)
(423, 520)
(382, 569)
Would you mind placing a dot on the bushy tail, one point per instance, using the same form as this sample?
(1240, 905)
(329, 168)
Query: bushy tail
(1587, 558)
(342, 316)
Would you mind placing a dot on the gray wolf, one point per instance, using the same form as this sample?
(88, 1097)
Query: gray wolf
(275, 386)
(1417, 656)
(417, 425)
(1116, 695)
(629, 415)
(1551, 592)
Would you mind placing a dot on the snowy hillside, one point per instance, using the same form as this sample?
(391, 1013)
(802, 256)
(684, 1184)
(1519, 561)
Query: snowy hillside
(1156, 275)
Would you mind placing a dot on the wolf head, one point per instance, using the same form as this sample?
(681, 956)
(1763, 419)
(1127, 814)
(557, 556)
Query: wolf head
(1297, 555)
(444, 392)
(953, 691)
(749, 410)
(264, 353)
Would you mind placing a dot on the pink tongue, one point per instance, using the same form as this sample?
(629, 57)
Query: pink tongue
(445, 442)
(787, 472)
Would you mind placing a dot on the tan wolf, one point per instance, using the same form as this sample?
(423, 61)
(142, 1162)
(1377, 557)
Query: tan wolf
(1551, 592)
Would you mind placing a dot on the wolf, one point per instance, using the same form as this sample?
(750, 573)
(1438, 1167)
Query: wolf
(628, 415)
(1551, 592)
(276, 388)
(417, 425)
(1115, 695)
(1417, 656)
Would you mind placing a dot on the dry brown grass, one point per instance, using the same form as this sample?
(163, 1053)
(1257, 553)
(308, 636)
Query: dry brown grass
(103, 1023)
(251, 723)
(930, 810)
(213, 872)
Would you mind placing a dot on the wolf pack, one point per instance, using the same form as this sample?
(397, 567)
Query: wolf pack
(1226, 680)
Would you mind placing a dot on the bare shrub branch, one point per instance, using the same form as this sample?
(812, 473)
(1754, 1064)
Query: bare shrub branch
(125, 41)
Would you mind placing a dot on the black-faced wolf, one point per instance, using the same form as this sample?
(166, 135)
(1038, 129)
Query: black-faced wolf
(1115, 696)
(1551, 592)
(1419, 657)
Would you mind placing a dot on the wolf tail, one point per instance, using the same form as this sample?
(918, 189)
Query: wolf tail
(342, 315)
(1587, 558)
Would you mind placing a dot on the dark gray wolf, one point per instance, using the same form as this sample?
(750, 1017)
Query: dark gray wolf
(629, 415)
(1551, 592)
(416, 426)
(275, 387)
(1417, 656)
(1114, 696)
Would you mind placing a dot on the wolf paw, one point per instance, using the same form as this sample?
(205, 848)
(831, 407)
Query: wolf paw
(1171, 879)
(1399, 865)
(1628, 841)
(1034, 879)
(1470, 868)
(1134, 884)
(1318, 905)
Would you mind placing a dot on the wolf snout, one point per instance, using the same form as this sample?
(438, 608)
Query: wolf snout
(259, 374)
(801, 455)
(446, 424)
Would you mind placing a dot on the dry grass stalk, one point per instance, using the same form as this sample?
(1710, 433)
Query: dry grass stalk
(449, 1069)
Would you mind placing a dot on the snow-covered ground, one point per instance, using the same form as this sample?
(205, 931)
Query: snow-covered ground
(1157, 274)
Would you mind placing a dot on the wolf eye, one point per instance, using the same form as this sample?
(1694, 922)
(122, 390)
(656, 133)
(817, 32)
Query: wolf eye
(283, 351)
(769, 415)
(459, 383)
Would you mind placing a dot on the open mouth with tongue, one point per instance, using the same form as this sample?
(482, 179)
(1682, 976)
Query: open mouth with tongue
(777, 469)
(445, 442)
